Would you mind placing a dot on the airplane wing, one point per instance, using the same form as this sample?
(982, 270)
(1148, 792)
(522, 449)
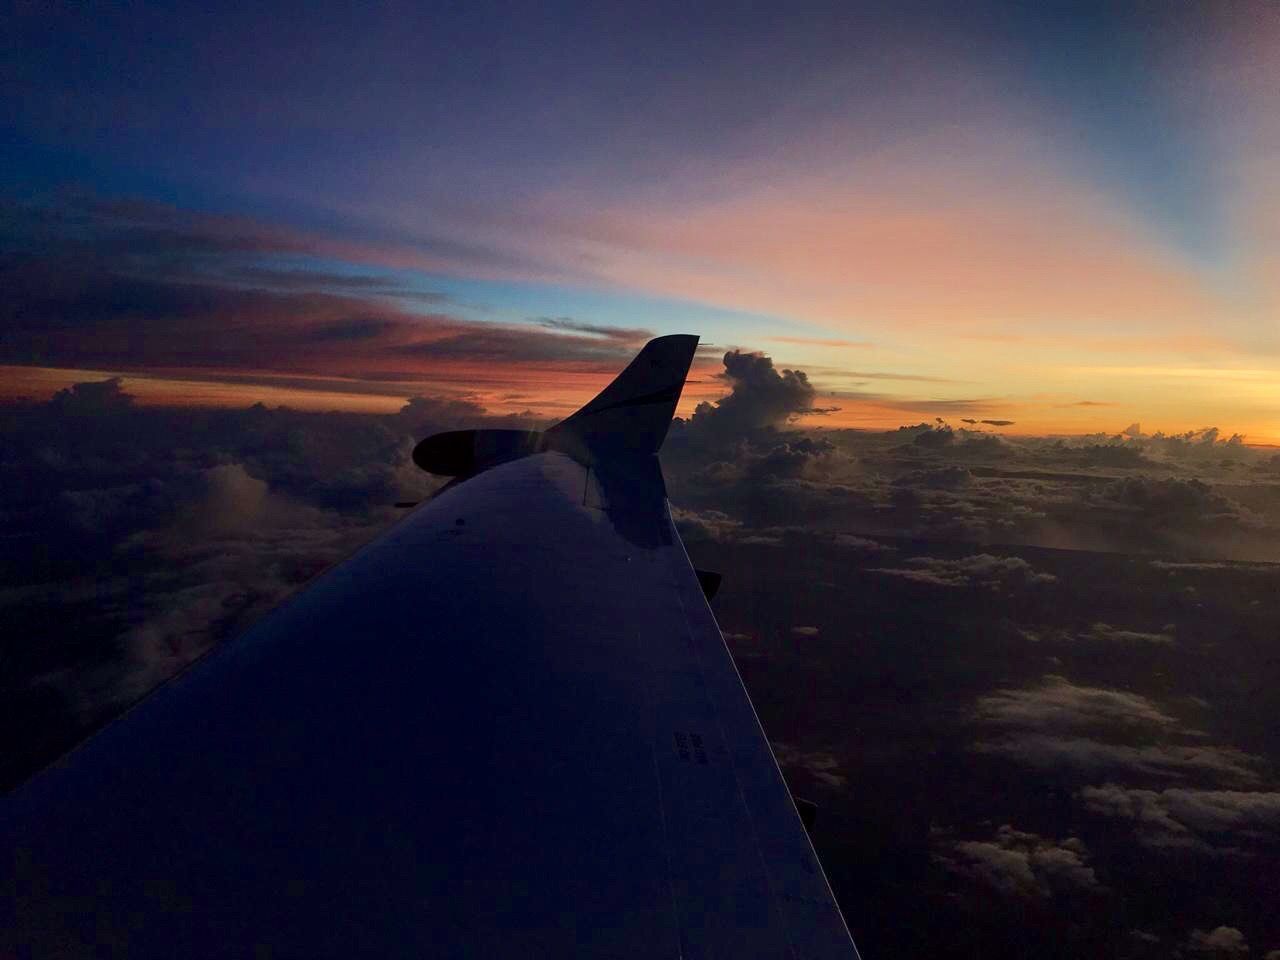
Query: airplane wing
(507, 728)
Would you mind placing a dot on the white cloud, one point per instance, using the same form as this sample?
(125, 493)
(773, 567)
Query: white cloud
(981, 569)
(1057, 704)
(1106, 633)
(1206, 820)
(1219, 942)
(1018, 863)
(1044, 752)
(1059, 725)
(822, 766)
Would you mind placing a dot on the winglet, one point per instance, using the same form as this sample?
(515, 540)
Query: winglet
(631, 415)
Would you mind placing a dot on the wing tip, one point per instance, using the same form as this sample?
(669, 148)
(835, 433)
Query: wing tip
(634, 411)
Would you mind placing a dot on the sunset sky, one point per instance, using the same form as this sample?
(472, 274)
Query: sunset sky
(1066, 216)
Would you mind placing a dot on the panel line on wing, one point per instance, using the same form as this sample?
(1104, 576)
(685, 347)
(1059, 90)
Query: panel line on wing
(821, 909)
(696, 651)
(651, 706)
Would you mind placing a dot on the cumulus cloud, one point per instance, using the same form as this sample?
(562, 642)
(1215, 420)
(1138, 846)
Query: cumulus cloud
(1219, 942)
(1058, 704)
(1057, 725)
(1210, 821)
(1169, 502)
(226, 558)
(697, 526)
(1139, 494)
(92, 399)
(1021, 864)
(216, 515)
(760, 396)
(822, 766)
(739, 457)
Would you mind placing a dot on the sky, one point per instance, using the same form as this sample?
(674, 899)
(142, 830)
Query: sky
(1060, 215)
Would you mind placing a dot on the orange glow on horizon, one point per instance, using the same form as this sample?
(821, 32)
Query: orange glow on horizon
(556, 393)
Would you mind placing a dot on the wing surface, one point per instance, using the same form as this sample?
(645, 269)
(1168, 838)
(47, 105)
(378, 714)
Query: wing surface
(508, 728)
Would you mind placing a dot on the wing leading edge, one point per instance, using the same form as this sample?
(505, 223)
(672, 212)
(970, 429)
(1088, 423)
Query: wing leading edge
(508, 727)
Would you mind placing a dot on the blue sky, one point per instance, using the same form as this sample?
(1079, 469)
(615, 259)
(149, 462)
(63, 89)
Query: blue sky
(1011, 196)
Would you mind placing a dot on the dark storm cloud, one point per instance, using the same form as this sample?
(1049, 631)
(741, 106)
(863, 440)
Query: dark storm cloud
(1173, 514)
(1193, 494)
(738, 457)
(139, 323)
(1171, 501)
(97, 398)
(787, 457)
(941, 438)
(760, 397)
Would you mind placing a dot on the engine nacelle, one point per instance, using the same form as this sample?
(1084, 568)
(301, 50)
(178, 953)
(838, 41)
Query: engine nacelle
(461, 453)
